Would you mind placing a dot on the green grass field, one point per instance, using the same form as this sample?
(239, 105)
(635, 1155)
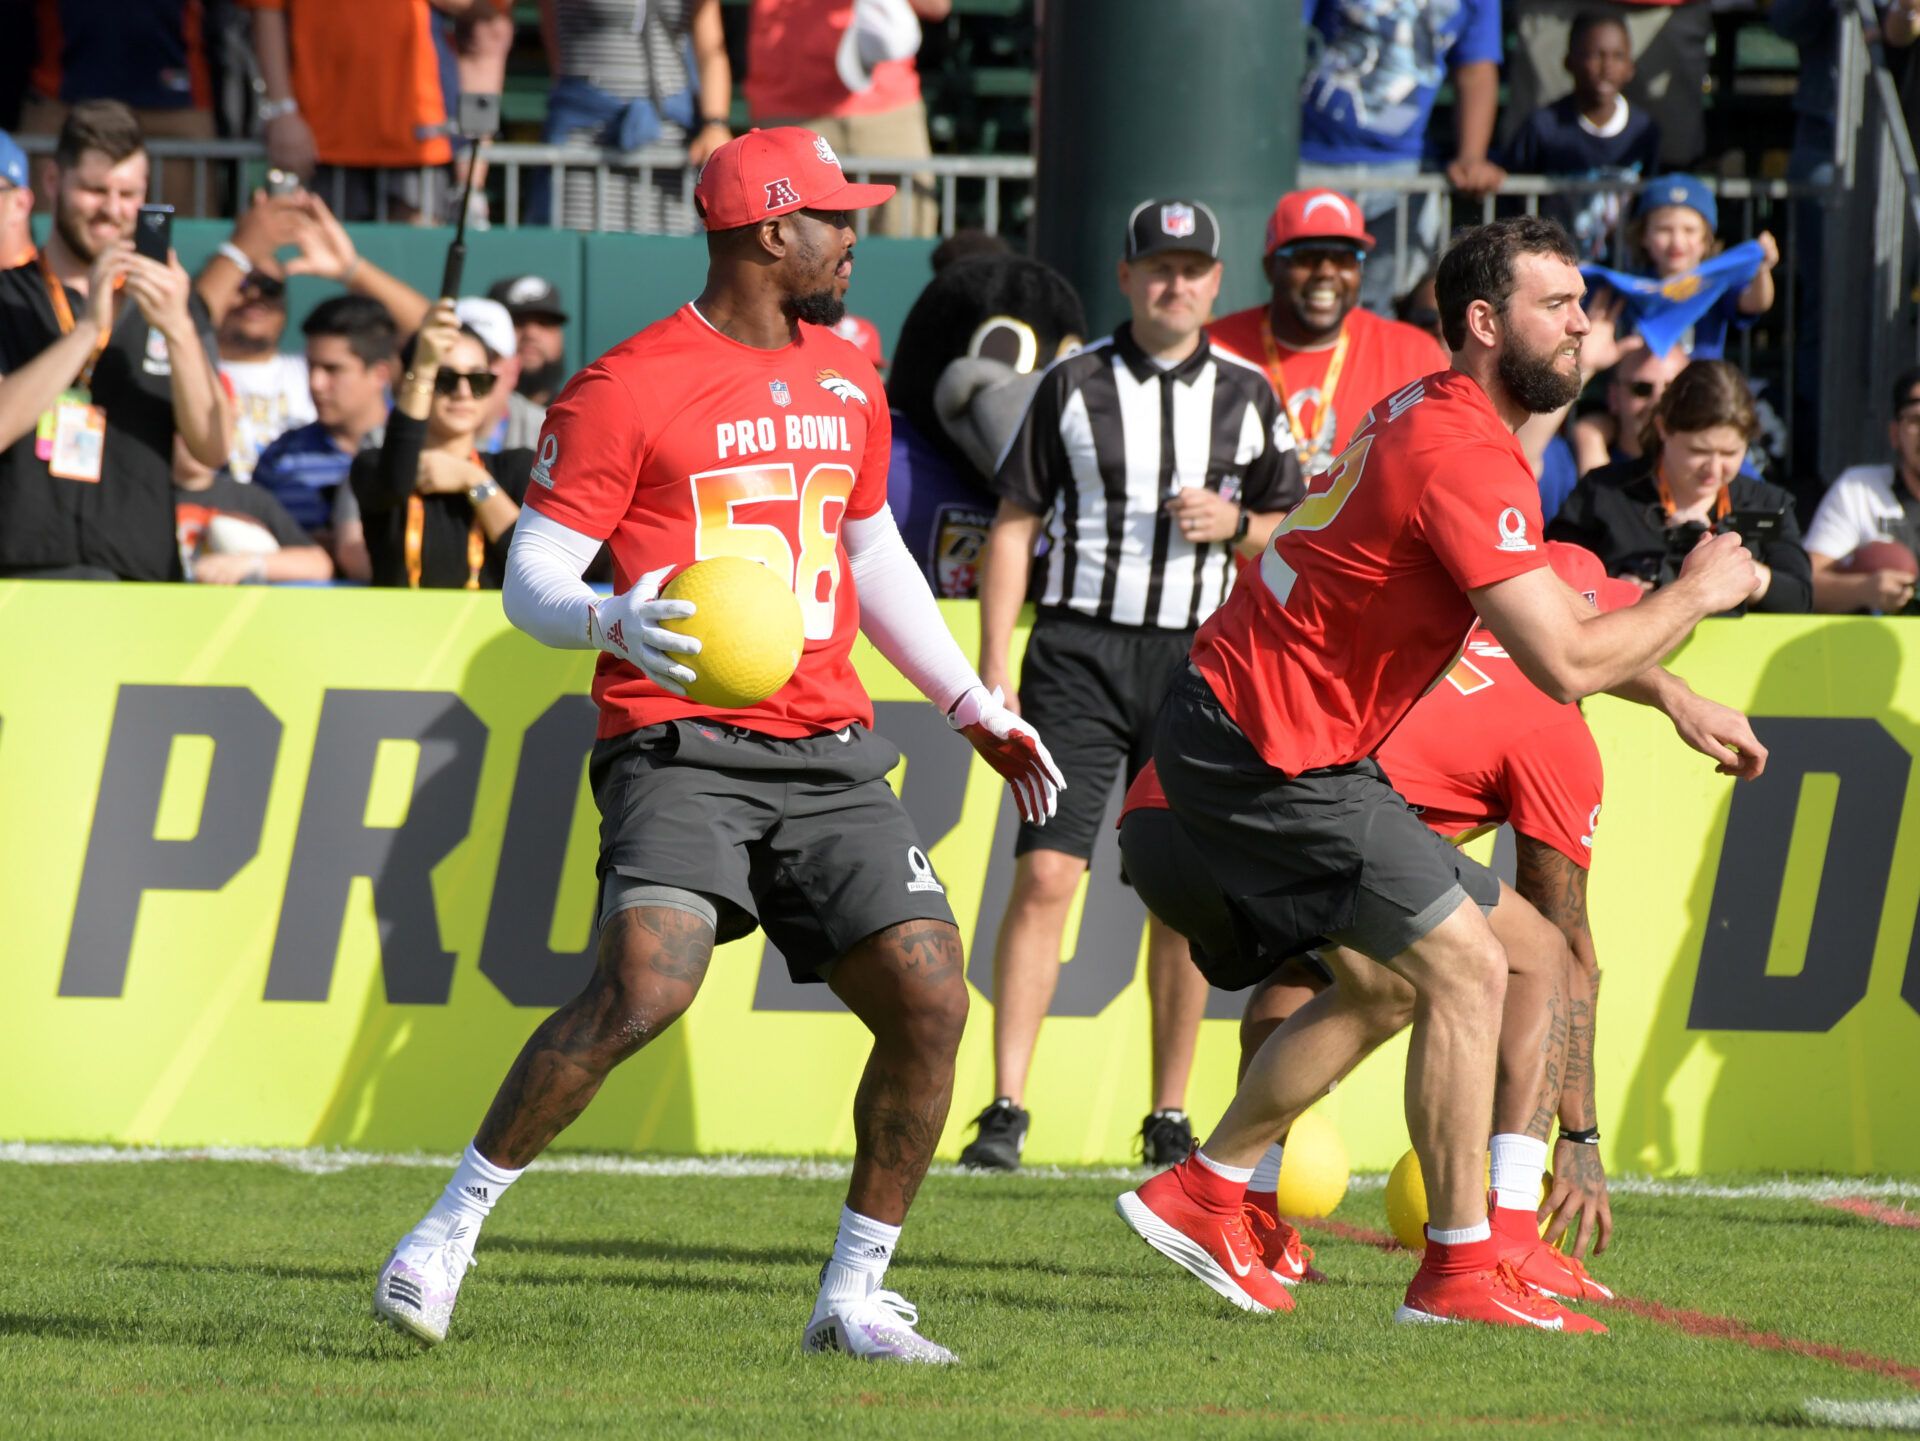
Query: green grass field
(212, 1298)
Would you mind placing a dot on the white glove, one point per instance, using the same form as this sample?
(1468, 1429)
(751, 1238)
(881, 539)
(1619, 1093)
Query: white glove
(628, 626)
(1013, 748)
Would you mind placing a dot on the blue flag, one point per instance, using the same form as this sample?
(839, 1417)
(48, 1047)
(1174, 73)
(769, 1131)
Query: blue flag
(1662, 310)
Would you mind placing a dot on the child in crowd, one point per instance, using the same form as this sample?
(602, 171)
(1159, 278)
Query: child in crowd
(1672, 232)
(1592, 134)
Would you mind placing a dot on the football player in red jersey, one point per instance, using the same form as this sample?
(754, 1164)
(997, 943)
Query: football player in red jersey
(1482, 749)
(742, 425)
(1362, 599)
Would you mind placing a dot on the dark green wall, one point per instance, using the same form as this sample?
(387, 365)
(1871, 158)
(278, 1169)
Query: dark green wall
(1143, 98)
(613, 285)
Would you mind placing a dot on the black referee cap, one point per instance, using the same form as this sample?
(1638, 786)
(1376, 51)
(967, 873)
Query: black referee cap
(1158, 225)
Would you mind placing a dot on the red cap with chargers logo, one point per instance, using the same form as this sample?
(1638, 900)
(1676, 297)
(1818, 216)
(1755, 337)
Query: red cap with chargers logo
(1316, 215)
(773, 172)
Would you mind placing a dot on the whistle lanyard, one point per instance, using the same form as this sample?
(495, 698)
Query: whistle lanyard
(1722, 504)
(1277, 374)
(63, 314)
(417, 534)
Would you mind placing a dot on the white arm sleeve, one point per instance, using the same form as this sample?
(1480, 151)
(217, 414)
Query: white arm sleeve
(898, 611)
(543, 594)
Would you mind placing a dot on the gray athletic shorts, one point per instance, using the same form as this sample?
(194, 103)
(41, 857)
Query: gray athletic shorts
(1327, 855)
(801, 837)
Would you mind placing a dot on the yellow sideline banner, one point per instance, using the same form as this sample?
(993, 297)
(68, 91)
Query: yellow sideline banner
(305, 868)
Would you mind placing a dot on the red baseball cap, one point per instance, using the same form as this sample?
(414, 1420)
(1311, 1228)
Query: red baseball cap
(1586, 573)
(1316, 215)
(860, 331)
(773, 172)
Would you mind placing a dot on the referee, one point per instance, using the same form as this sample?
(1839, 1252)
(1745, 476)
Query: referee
(1146, 461)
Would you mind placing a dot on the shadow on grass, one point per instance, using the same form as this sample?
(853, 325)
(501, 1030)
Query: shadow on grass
(627, 1248)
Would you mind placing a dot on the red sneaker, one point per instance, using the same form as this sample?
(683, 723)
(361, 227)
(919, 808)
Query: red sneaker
(1498, 1297)
(1218, 1248)
(1286, 1254)
(1538, 1265)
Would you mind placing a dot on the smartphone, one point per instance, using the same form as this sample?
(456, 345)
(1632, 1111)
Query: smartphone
(479, 115)
(153, 232)
(282, 182)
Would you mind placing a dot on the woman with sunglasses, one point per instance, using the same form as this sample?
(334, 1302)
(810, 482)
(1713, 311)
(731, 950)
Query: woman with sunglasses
(438, 513)
(1641, 516)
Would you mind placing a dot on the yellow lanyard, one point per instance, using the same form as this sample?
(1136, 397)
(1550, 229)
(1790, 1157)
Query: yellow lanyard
(1277, 374)
(417, 534)
(63, 313)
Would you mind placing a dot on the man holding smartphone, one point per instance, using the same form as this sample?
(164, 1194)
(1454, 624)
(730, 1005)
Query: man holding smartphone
(104, 357)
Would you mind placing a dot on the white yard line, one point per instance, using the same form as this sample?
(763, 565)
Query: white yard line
(321, 1161)
(1867, 1415)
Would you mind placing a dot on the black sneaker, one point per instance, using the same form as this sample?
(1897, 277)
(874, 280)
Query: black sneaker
(1166, 1138)
(1003, 1133)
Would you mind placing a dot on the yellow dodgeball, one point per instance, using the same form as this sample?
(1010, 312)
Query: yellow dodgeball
(749, 628)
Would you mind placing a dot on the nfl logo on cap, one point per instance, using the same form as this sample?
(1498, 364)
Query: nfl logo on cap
(1176, 219)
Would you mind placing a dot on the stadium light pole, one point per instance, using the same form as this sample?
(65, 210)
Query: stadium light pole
(1140, 98)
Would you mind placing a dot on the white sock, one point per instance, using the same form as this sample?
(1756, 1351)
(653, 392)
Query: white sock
(1266, 1175)
(860, 1255)
(1519, 1166)
(1239, 1174)
(1465, 1235)
(476, 1187)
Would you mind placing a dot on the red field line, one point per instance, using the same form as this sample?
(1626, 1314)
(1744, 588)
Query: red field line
(1379, 1240)
(1725, 1328)
(1874, 1211)
(1693, 1323)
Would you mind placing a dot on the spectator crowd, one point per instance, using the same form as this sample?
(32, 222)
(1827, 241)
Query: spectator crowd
(303, 451)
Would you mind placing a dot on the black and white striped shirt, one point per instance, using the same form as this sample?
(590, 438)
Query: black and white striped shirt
(1111, 435)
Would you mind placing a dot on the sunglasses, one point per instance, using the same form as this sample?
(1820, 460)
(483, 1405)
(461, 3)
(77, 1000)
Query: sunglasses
(264, 286)
(1312, 254)
(1640, 389)
(447, 382)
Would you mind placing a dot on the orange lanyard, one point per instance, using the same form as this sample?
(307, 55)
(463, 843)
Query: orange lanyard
(1722, 505)
(1277, 374)
(63, 313)
(417, 534)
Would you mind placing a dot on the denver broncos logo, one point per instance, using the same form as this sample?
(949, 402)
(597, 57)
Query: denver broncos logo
(835, 383)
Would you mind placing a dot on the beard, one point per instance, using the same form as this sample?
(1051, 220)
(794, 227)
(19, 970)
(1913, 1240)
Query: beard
(73, 231)
(821, 307)
(1530, 377)
(542, 380)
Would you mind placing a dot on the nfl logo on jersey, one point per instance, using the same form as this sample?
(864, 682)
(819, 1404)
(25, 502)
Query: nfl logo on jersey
(1176, 220)
(781, 395)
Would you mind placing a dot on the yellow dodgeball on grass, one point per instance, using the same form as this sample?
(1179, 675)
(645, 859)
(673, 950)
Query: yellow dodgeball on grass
(1407, 1200)
(749, 628)
(1313, 1168)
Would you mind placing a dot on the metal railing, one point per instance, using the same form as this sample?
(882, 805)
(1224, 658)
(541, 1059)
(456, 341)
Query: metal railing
(993, 192)
(1869, 309)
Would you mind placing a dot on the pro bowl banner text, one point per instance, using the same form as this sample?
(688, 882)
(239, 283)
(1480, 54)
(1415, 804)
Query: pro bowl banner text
(306, 867)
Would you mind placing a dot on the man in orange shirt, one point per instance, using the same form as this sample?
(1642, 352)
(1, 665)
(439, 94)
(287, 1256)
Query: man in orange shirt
(1329, 361)
(845, 69)
(322, 62)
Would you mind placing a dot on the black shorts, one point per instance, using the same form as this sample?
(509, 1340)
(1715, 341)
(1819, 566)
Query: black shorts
(1327, 855)
(1092, 691)
(802, 837)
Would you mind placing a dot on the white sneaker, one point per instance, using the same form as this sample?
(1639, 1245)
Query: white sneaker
(877, 1328)
(421, 1280)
